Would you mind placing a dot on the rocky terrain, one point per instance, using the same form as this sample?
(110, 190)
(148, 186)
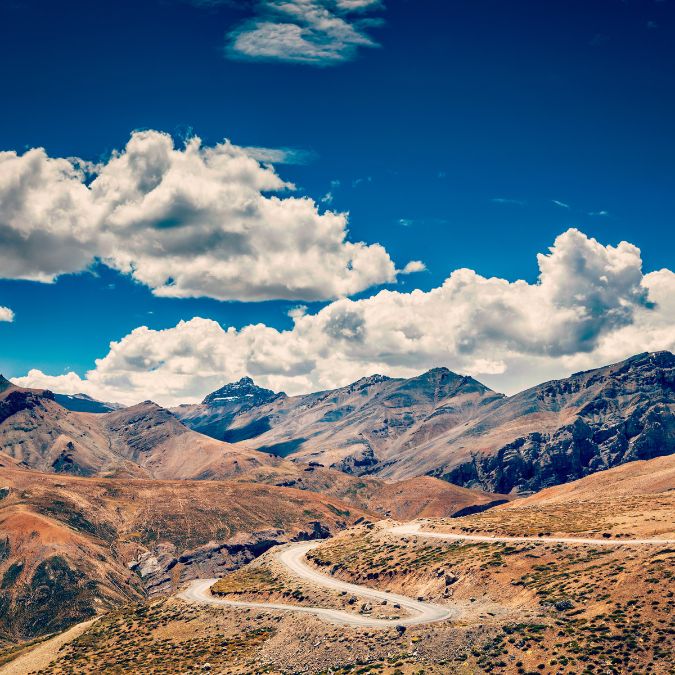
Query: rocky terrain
(530, 607)
(404, 500)
(84, 403)
(634, 500)
(71, 547)
(147, 441)
(353, 428)
(112, 512)
(438, 424)
(217, 411)
(453, 427)
(562, 430)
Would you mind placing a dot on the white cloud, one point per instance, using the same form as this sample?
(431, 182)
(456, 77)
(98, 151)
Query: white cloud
(313, 32)
(330, 195)
(280, 155)
(591, 305)
(562, 205)
(6, 314)
(414, 266)
(187, 222)
(357, 5)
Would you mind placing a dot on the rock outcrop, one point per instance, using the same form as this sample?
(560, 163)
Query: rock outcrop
(163, 570)
(611, 416)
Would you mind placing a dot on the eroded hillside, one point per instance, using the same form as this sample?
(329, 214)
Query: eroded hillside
(518, 607)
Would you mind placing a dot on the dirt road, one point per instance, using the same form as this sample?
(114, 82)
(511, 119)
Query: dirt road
(415, 529)
(293, 558)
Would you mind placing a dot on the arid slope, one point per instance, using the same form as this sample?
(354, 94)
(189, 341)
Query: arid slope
(67, 543)
(635, 500)
(354, 428)
(144, 440)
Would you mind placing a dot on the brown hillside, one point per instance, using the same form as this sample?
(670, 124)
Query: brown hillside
(539, 606)
(422, 497)
(636, 500)
(452, 427)
(143, 441)
(66, 543)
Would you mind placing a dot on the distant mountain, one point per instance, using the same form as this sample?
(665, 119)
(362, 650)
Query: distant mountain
(147, 441)
(438, 424)
(353, 428)
(144, 440)
(4, 383)
(84, 403)
(217, 411)
(562, 430)
(241, 394)
(455, 428)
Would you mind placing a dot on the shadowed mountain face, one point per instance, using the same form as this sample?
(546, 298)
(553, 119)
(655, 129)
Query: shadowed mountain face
(4, 383)
(453, 427)
(562, 430)
(84, 403)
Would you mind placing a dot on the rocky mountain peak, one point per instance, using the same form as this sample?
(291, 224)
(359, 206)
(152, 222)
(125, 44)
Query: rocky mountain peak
(437, 375)
(243, 392)
(4, 383)
(441, 382)
(367, 382)
(439, 371)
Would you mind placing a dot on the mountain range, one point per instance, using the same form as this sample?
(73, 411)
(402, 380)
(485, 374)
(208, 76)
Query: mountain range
(105, 505)
(454, 427)
(437, 424)
(142, 441)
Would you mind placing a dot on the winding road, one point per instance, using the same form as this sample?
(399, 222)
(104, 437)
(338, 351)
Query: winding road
(414, 529)
(293, 558)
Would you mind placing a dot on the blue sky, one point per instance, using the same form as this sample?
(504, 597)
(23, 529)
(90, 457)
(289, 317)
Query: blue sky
(460, 133)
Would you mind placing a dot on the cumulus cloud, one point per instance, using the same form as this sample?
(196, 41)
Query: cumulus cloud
(6, 314)
(414, 266)
(187, 222)
(313, 32)
(591, 305)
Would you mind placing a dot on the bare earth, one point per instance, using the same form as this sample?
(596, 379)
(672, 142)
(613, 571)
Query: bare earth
(42, 655)
(567, 581)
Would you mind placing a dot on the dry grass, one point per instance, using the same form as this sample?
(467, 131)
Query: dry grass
(582, 609)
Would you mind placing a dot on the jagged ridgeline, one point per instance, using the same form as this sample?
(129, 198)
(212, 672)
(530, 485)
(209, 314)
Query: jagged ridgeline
(453, 427)
(440, 424)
